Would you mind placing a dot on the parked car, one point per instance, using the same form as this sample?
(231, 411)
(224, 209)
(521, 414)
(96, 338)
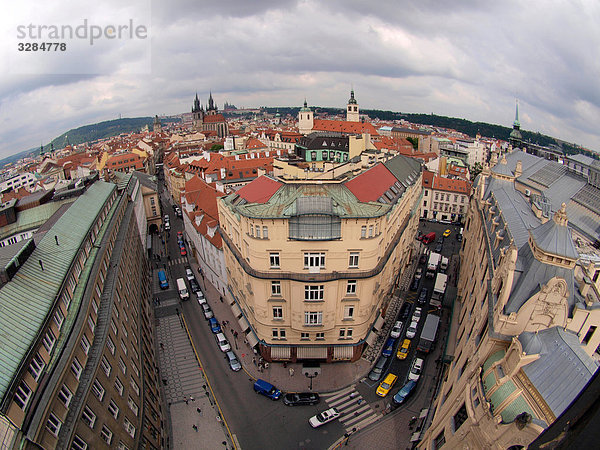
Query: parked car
(423, 258)
(208, 314)
(182, 250)
(222, 342)
(412, 330)
(423, 296)
(416, 315)
(415, 369)
(178, 212)
(189, 274)
(405, 311)
(300, 398)
(201, 298)
(419, 273)
(396, 329)
(194, 286)
(234, 363)
(399, 398)
(403, 350)
(376, 372)
(323, 417)
(267, 389)
(214, 325)
(388, 348)
(386, 385)
(439, 247)
(414, 285)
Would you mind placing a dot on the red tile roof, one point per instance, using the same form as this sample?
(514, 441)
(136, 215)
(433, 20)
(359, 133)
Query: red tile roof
(341, 126)
(203, 197)
(259, 190)
(214, 118)
(371, 184)
(447, 184)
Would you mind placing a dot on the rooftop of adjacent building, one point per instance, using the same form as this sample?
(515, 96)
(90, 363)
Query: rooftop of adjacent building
(370, 194)
(31, 294)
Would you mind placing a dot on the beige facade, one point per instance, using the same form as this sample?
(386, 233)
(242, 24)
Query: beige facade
(311, 292)
(523, 325)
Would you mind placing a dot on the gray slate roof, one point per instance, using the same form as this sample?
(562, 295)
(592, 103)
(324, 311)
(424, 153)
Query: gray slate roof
(563, 368)
(555, 239)
(530, 275)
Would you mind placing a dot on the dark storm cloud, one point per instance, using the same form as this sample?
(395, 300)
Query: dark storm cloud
(466, 59)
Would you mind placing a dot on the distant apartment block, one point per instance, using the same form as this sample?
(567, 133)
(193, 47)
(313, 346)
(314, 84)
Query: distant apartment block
(444, 199)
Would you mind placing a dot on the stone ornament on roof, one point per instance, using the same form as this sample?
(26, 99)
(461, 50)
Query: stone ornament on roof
(560, 216)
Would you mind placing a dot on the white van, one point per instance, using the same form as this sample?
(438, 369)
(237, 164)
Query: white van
(182, 288)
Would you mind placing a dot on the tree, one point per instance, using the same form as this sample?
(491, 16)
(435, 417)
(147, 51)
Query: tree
(414, 142)
(476, 170)
(216, 147)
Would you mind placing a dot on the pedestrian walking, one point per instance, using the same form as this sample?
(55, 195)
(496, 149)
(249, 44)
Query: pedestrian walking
(291, 371)
(195, 427)
(235, 334)
(185, 400)
(353, 394)
(192, 398)
(198, 410)
(162, 347)
(221, 298)
(254, 360)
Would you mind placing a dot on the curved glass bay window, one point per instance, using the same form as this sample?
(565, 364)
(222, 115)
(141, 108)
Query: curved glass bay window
(314, 220)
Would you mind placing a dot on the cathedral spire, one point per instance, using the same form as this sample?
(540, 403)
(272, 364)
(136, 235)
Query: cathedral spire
(516, 123)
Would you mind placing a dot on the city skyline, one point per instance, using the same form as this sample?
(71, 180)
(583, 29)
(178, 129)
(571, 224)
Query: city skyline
(471, 61)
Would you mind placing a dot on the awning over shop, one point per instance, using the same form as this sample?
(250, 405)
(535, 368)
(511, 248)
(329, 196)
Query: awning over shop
(237, 311)
(370, 340)
(252, 339)
(379, 323)
(243, 323)
(280, 352)
(312, 352)
(345, 352)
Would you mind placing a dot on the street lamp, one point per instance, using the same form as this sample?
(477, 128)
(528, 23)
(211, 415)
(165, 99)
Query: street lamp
(311, 376)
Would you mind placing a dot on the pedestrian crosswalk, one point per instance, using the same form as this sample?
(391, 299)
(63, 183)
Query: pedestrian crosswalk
(356, 413)
(180, 260)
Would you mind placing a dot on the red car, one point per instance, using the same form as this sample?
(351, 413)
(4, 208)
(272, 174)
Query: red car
(183, 251)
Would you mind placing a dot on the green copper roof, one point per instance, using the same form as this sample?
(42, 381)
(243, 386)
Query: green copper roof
(502, 393)
(514, 408)
(489, 381)
(283, 202)
(26, 300)
(497, 356)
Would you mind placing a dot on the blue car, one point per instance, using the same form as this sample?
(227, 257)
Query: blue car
(404, 392)
(214, 325)
(388, 348)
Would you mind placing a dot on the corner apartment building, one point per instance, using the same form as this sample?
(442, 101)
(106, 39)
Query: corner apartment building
(310, 263)
(523, 340)
(78, 365)
(445, 199)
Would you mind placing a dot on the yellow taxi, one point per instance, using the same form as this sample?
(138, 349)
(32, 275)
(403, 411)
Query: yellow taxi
(403, 350)
(447, 233)
(386, 385)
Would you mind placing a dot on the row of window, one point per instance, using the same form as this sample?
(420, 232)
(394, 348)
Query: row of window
(313, 260)
(447, 208)
(280, 333)
(314, 292)
(440, 196)
(278, 314)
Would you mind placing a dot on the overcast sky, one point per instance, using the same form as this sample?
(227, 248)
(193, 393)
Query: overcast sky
(468, 59)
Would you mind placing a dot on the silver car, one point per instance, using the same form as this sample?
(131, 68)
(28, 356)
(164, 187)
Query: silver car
(208, 314)
(234, 363)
